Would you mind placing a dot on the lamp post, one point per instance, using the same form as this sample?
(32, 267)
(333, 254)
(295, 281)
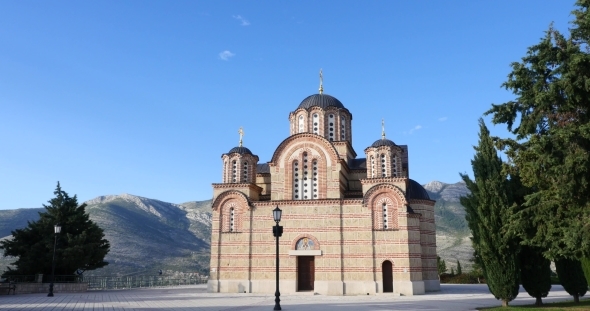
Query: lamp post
(277, 231)
(57, 230)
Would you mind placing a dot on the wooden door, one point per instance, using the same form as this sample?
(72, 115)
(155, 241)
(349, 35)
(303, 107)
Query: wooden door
(387, 271)
(305, 272)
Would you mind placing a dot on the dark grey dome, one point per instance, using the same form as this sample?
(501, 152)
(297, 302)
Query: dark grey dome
(240, 150)
(416, 191)
(383, 142)
(320, 100)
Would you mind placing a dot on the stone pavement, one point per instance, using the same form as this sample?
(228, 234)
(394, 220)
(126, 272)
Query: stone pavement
(184, 298)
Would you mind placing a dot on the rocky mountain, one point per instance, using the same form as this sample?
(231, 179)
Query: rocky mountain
(452, 233)
(147, 235)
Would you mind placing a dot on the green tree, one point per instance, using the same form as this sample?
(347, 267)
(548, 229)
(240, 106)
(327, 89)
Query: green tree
(551, 122)
(441, 266)
(488, 210)
(80, 245)
(459, 271)
(571, 277)
(535, 273)
(452, 271)
(586, 267)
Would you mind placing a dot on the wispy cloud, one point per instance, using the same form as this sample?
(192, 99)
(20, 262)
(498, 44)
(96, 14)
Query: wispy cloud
(443, 119)
(226, 55)
(417, 127)
(243, 21)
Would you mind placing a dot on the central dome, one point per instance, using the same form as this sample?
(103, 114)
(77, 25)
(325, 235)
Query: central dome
(320, 100)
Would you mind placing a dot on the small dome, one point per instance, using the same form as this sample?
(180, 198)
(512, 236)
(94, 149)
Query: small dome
(416, 191)
(383, 142)
(320, 100)
(240, 150)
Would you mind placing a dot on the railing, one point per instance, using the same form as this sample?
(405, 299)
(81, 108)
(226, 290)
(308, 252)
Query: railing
(114, 282)
(140, 281)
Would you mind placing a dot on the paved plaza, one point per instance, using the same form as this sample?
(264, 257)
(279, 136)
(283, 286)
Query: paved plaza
(451, 297)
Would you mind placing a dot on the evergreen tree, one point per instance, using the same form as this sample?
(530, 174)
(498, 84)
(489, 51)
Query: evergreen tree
(571, 277)
(80, 245)
(459, 271)
(488, 210)
(550, 120)
(441, 266)
(452, 271)
(535, 273)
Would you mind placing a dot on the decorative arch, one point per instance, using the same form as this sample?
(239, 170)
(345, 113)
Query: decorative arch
(394, 192)
(226, 196)
(316, 244)
(310, 140)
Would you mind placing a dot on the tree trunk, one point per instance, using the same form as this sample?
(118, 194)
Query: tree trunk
(577, 298)
(539, 301)
(504, 303)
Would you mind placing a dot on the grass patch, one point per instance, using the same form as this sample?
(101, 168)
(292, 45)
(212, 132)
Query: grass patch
(556, 306)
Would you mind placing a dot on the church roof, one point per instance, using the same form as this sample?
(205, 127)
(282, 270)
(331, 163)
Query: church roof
(240, 150)
(320, 100)
(383, 142)
(262, 168)
(416, 191)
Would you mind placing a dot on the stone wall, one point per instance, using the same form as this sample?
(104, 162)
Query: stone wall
(34, 288)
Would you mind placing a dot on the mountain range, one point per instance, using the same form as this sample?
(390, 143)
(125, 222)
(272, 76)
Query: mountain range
(147, 235)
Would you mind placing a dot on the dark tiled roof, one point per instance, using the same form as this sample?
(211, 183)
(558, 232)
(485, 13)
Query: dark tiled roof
(356, 164)
(416, 191)
(382, 142)
(262, 168)
(320, 100)
(240, 150)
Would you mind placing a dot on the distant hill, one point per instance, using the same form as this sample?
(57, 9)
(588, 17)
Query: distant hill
(147, 235)
(452, 232)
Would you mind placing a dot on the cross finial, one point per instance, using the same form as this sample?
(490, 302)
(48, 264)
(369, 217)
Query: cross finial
(382, 129)
(241, 132)
(321, 82)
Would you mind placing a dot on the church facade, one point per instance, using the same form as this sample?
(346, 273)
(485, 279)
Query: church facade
(352, 225)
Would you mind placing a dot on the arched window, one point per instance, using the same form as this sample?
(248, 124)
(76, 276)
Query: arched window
(316, 120)
(296, 181)
(231, 220)
(331, 125)
(394, 160)
(307, 182)
(301, 124)
(245, 174)
(372, 167)
(342, 128)
(384, 207)
(314, 181)
(235, 171)
(225, 169)
(383, 166)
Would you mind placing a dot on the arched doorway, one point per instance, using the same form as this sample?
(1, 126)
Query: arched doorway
(387, 270)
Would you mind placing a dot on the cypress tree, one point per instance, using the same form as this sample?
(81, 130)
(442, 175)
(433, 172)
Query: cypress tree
(572, 278)
(535, 273)
(586, 267)
(441, 266)
(459, 271)
(488, 210)
(452, 271)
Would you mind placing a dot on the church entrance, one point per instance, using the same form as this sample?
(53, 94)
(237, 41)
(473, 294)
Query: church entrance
(305, 273)
(387, 271)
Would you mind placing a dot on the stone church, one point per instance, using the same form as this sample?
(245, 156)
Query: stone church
(352, 225)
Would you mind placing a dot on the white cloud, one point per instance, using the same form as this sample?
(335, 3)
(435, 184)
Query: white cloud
(417, 127)
(443, 119)
(226, 55)
(243, 21)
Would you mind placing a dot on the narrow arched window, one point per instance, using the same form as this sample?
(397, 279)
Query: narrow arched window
(296, 181)
(245, 172)
(314, 180)
(385, 217)
(331, 125)
(301, 124)
(383, 166)
(307, 182)
(235, 171)
(342, 128)
(316, 125)
(394, 162)
(231, 220)
(372, 167)
(225, 169)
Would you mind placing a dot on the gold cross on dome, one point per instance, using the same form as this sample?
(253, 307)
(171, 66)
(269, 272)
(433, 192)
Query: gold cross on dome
(241, 132)
(321, 82)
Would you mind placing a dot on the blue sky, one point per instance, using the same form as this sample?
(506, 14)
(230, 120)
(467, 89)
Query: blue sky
(143, 97)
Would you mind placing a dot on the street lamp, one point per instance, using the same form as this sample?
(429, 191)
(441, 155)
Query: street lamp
(277, 231)
(57, 230)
